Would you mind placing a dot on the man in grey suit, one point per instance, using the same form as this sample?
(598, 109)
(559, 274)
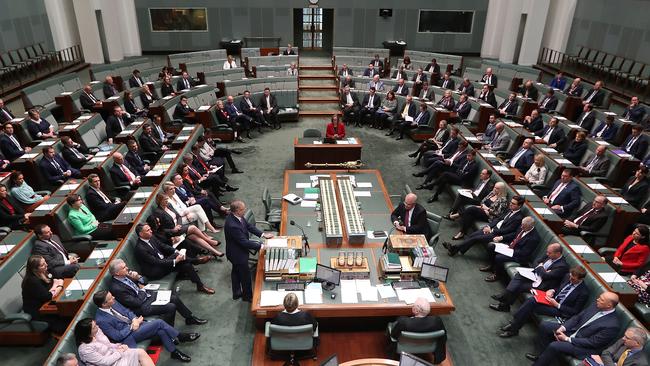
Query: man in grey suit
(501, 139)
(627, 351)
(596, 165)
(60, 263)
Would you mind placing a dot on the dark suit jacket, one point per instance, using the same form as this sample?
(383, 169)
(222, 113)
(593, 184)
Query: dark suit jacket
(166, 89)
(555, 273)
(376, 101)
(399, 75)
(569, 198)
(113, 127)
(450, 83)
(355, 99)
(557, 136)
(597, 100)
(612, 354)
(53, 175)
(587, 121)
(424, 120)
(9, 149)
(404, 92)
(419, 224)
(423, 78)
(149, 143)
(600, 168)
(272, 100)
(137, 302)
(151, 265)
(449, 147)
(379, 64)
(493, 82)
(118, 176)
(52, 256)
(244, 107)
(182, 111)
(180, 85)
(368, 73)
(593, 222)
(109, 90)
(535, 126)
(422, 325)
(34, 128)
(509, 226)
(86, 102)
(551, 104)
(295, 319)
(469, 89)
(145, 101)
(636, 194)
(428, 94)
(12, 220)
(595, 335)
(96, 203)
(436, 68)
(74, 160)
(576, 92)
(447, 103)
(489, 98)
(634, 114)
(237, 239)
(113, 328)
(526, 246)
(463, 109)
(638, 148)
(512, 108)
(465, 173)
(531, 93)
(133, 83)
(575, 301)
(575, 151)
(3, 117)
(412, 111)
(609, 134)
(525, 161)
(349, 72)
(135, 161)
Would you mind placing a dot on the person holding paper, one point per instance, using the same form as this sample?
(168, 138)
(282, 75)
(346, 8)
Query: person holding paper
(627, 351)
(335, 130)
(60, 262)
(522, 244)
(420, 322)
(589, 218)
(564, 197)
(420, 119)
(39, 288)
(291, 316)
(564, 301)
(443, 143)
(438, 166)
(462, 172)
(533, 123)
(215, 155)
(410, 217)
(237, 231)
(472, 196)
(491, 207)
(584, 334)
(550, 270)
(632, 253)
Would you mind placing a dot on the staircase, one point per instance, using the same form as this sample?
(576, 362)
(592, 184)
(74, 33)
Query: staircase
(317, 88)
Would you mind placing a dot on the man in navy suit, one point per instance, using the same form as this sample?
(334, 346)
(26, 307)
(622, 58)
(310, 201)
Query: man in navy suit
(576, 148)
(597, 164)
(587, 333)
(121, 325)
(444, 152)
(463, 107)
(634, 112)
(371, 71)
(523, 243)
(587, 118)
(9, 144)
(371, 103)
(564, 197)
(55, 168)
(103, 206)
(134, 158)
(410, 217)
(466, 87)
(236, 116)
(489, 78)
(377, 63)
(509, 106)
(636, 144)
(122, 173)
(506, 224)
(400, 88)
(421, 119)
(564, 301)
(117, 122)
(109, 88)
(606, 130)
(136, 81)
(5, 113)
(461, 172)
(552, 134)
(439, 166)
(522, 160)
(549, 102)
(533, 123)
(237, 231)
(558, 82)
(575, 89)
(551, 268)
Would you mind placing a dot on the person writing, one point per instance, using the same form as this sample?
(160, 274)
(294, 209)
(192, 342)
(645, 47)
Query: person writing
(335, 130)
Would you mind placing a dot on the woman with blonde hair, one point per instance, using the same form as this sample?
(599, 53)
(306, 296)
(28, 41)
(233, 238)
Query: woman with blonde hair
(536, 174)
(493, 205)
(189, 214)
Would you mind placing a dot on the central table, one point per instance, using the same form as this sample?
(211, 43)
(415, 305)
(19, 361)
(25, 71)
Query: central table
(375, 209)
(311, 150)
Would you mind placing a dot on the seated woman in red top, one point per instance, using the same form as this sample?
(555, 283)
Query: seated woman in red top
(335, 130)
(632, 253)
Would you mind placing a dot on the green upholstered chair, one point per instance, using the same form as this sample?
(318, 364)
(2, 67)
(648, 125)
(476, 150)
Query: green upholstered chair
(273, 214)
(417, 343)
(289, 340)
(311, 132)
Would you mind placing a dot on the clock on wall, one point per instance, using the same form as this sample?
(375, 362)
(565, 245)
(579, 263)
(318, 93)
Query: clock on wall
(313, 2)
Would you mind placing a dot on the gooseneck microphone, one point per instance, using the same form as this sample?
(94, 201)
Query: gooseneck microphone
(304, 236)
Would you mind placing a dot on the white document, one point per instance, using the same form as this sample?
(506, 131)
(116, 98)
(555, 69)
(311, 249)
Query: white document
(349, 292)
(29, 155)
(276, 243)
(135, 209)
(616, 199)
(342, 142)
(362, 284)
(317, 142)
(308, 204)
(612, 277)
(47, 143)
(624, 155)
(386, 291)
(203, 108)
(582, 249)
(169, 156)
(364, 185)
(115, 97)
(504, 249)
(471, 138)
(489, 155)
(155, 173)
(292, 198)
(310, 196)
(501, 168)
(573, 125)
(596, 186)
(361, 193)
(137, 123)
(97, 159)
(563, 161)
(369, 294)
(69, 187)
(162, 297)
(465, 192)
(525, 192)
(600, 142)
(425, 293)
(408, 295)
(152, 286)
(544, 211)
(408, 119)
(103, 153)
(45, 207)
(371, 235)
(549, 150)
(70, 127)
(188, 128)
(79, 285)
(142, 195)
(100, 254)
(528, 273)
(4, 249)
(182, 138)
(314, 293)
(271, 298)
(303, 185)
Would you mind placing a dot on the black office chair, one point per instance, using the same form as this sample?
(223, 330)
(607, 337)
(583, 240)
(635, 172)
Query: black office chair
(312, 132)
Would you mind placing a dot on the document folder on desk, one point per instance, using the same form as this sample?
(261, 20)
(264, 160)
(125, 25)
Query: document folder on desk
(307, 265)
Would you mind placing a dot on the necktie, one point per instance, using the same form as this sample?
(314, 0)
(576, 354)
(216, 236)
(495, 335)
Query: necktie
(556, 192)
(59, 248)
(7, 115)
(626, 115)
(119, 316)
(405, 111)
(547, 136)
(248, 101)
(602, 132)
(372, 97)
(77, 153)
(417, 119)
(444, 84)
(57, 166)
(516, 240)
(592, 164)
(583, 118)
(514, 160)
(629, 144)
(479, 188)
(268, 103)
(152, 140)
(13, 138)
(187, 84)
(507, 105)
(623, 357)
(584, 217)
(545, 101)
(103, 196)
(160, 133)
(92, 97)
(399, 90)
(464, 167)
(407, 218)
(563, 294)
(121, 123)
(156, 249)
(591, 95)
(128, 173)
(349, 99)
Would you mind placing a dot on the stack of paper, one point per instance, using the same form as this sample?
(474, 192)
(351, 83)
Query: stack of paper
(314, 293)
(367, 291)
(79, 285)
(100, 254)
(386, 291)
(349, 292)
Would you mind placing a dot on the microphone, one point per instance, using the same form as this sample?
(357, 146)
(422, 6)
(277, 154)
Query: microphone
(101, 252)
(304, 237)
(384, 248)
(83, 292)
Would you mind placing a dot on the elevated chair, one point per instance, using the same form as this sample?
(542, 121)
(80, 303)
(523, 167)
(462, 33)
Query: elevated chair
(416, 343)
(289, 340)
(311, 132)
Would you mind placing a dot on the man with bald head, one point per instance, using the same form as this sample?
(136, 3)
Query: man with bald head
(87, 99)
(584, 334)
(522, 242)
(122, 173)
(410, 217)
(109, 88)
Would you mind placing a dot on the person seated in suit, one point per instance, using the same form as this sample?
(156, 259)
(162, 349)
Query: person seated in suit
(192, 214)
(587, 118)
(421, 322)
(490, 130)
(83, 222)
(634, 112)
(157, 259)
(408, 111)
(191, 196)
(371, 71)
(349, 105)
(433, 68)
(117, 122)
(371, 103)
(183, 111)
(5, 113)
(471, 196)
(292, 70)
(345, 71)
(551, 268)
(632, 253)
(419, 78)
(400, 88)
(447, 82)
(166, 89)
(376, 83)
(558, 82)
(552, 135)
(60, 263)
(442, 147)
(509, 106)
(410, 217)
(236, 118)
(253, 111)
(132, 109)
(75, 154)
(88, 100)
(147, 97)
(549, 102)
(564, 301)
(489, 78)
(214, 155)
(124, 174)
(462, 171)
(435, 165)
(524, 242)
(211, 168)
(38, 288)
(533, 123)
(377, 63)
(421, 119)
(120, 324)
(185, 82)
(636, 187)
(335, 130)
(128, 288)
(38, 128)
(606, 130)
(589, 218)
(103, 206)
(501, 226)
(576, 149)
(427, 93)
(597, 164)
(595, 95)
(564, 196)
(584, 334)
(575, 89)
(109, 87)
(55, 169)
(205, 178)
(11, 212)
(627, 351)
(347, 81)
(536, 174)
(399, 74)
(9, 145)
(24, 193)
(462, 108)
(95, 348)
(466, 87)
(447, 101)
(288, 51)
(151, 143)
(636, 144)
(385, 115)
(163, 136)
(136, 81)
(229, 63)
(436, 142)
(491, 207)
(522, 160)
(528, 90)
(487, 95)
(292, 316)
(135, 160)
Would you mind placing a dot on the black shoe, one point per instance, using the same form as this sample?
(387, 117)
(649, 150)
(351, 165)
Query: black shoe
(247, 299)
(236, 297)
(451, 250)
(446, 244)
(248, 135)
(389, 134)
(434, 198)
(178, 355)
(506, 327)
(231, 189)
(422, 186)
(497, 297)
(188, 337)
(195, 321)
(500, 307)
(418, 174)
(413, 155)
(487, 268)
(508, 334)
(531, 356)
(237, 171)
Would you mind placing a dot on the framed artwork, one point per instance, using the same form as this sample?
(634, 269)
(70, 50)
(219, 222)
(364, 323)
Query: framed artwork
(178, 19)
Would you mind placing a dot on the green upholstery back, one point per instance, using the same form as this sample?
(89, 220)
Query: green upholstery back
(418, 343)
(198, 56)
(296, 338)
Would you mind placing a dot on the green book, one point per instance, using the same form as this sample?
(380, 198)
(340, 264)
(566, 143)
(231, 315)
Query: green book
(312, 190)
(393, 258)
(307, 264)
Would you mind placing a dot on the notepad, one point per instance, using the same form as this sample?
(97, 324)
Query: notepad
(276, 243)
(155, 173)
(362, 193)
(364, 185)
(68, 187)
(503, 249)
(616, 199)
(80, 285)
(310, 196)
(314, 293)
(29, 156)
(582, 249)
(46, 207)
(544, 211)
(349, 292)
(596, 186)
(612, 277)
(525, 192)
(162, 297)
(489, 155)
(100, 254)
(103, 153)
(563, 161)
(203, 108)
(188, 128)
(97, 159)
(182, 138)
(142, 195)
(132, 209)
(308, 204)
(4, 249)
(386, 291)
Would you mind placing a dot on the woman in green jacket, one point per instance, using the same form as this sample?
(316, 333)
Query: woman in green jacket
(84, 222)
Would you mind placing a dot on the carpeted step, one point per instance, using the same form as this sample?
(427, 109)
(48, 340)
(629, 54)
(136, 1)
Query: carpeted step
(316, 82)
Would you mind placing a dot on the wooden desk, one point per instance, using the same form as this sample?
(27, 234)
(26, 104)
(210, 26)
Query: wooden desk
(376, 211)
(572, 108)
(67, 106)
(371, 362)
(12, 242)
(67, 306)
(125, 219)
(306, 151)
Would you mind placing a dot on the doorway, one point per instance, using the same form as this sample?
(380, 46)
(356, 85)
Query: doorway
(313, 28)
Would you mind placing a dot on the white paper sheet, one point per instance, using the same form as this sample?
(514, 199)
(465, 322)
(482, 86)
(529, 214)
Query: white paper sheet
(203, 108)
(182, 138)
(80, 285)
(349, 292)
(616, 199)
(549, 150)
(155, 173)
(135, 209)
(386, 291)
(277, 243)
(465, 192)
(162, 297)
(69, 187)
(4, 249)
(103, 153)
(489, 155)
(314, 293)
(364, 185)
(503, 249)
(29, 155)
(152, 286)
(501, 168)
(361, 193)
(563, 161)
(142, 195)
(408, 295)
(100, 254)
(45, 207)
(303, 185)
(310, 196)
(544, 211)
(97, 159)
(308, 204)
(612, 277)
(525, 192)
(169, 156)
(582, 249)
(528, 273)
(596, 186)
(342, 142)
(271, 298)
(371, 235)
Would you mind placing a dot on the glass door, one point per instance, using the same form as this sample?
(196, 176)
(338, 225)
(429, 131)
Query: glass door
(312, 28)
